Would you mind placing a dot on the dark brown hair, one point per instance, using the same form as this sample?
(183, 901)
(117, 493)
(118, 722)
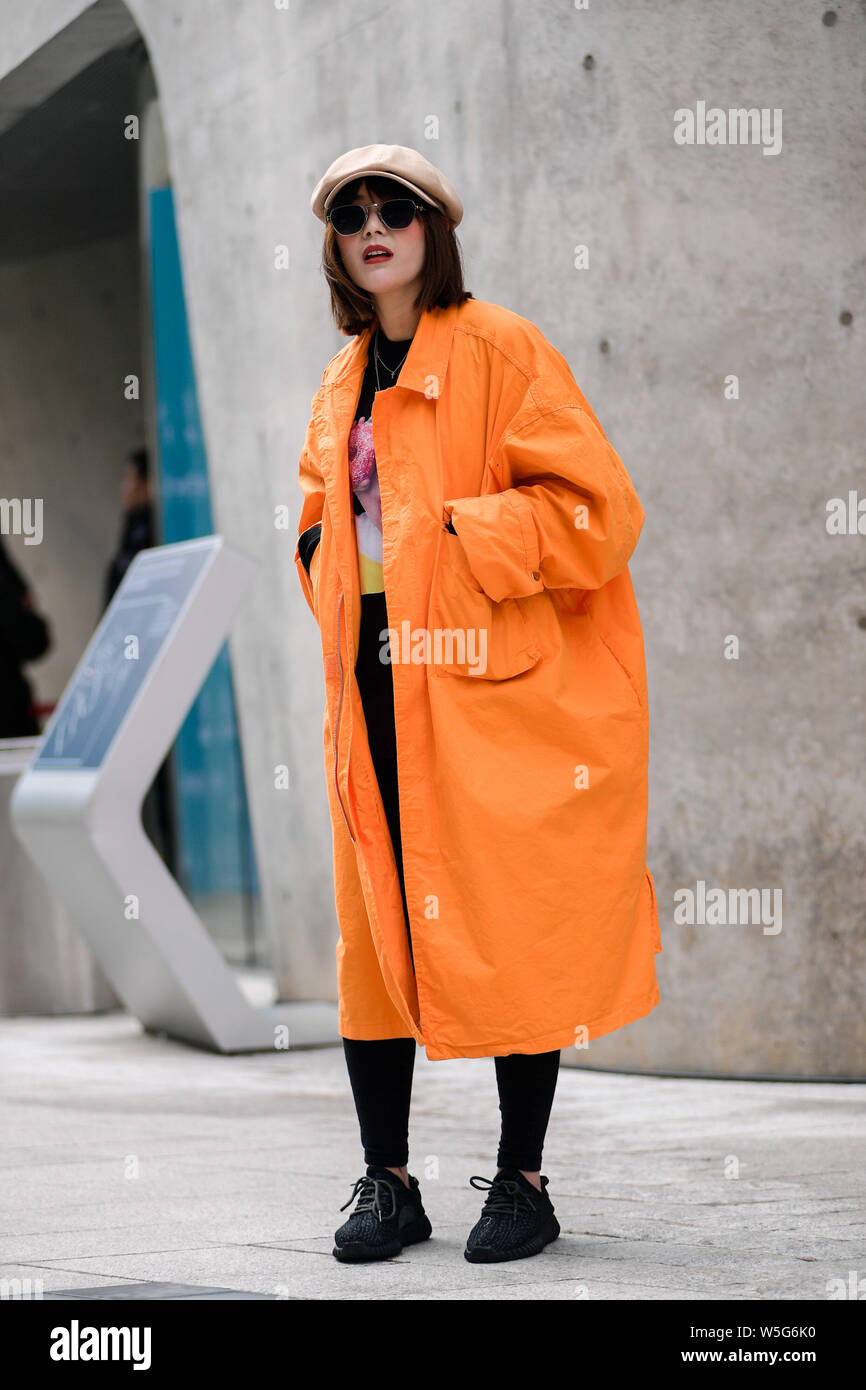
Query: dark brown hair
(352, 307)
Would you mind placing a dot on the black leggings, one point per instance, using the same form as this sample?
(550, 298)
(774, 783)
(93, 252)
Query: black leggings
(380, 1071)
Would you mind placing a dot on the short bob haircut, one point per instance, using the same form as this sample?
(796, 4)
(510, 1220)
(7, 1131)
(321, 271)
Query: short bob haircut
(353, 308)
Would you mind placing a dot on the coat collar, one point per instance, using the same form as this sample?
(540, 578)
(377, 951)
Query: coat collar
(427, 361)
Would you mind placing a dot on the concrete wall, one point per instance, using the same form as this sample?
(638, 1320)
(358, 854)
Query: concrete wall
(556, 124)
(68, 336)
(46, 966)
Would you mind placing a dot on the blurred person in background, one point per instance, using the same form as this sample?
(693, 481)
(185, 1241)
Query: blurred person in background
(137, 529)
(138, 533)
(24, 636)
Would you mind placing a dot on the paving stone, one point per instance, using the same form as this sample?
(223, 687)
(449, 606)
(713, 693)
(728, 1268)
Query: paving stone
(243, 1163)
(151, 1291)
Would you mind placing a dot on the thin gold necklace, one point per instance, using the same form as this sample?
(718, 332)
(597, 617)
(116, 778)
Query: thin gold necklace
(377, 359)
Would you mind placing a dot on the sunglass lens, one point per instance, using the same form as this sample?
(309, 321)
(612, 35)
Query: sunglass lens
(398, 213)
(348, 219)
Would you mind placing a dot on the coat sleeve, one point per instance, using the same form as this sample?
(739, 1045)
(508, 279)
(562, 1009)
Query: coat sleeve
(313, 489)
(567, 515)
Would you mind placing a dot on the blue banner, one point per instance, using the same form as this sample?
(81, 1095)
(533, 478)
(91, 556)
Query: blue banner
(215, 849)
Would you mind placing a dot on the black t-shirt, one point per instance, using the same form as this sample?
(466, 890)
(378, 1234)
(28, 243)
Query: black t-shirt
(374, 677)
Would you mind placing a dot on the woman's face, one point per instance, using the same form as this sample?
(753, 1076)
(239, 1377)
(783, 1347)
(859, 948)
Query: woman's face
(397, 271)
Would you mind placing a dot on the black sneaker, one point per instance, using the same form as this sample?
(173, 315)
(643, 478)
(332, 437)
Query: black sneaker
(388, 1216)
(516, 1220)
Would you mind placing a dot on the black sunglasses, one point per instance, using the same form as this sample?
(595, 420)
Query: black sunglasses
(396, 214)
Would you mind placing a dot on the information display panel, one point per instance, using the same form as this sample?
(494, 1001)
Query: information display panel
(136, 626)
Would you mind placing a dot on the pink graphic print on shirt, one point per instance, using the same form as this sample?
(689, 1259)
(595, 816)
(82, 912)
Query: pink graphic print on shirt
(362, 460)
(368, 524)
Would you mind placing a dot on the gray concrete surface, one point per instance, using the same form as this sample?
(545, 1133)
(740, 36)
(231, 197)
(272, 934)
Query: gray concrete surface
(704, 262)
(131, 1160)
(46, 966)
(68, 327)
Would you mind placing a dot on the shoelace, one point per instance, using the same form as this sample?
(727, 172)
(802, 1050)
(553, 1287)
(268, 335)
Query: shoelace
(505, 1195)
(371, 1196)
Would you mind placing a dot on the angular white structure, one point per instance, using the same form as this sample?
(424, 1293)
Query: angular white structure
(77, 807)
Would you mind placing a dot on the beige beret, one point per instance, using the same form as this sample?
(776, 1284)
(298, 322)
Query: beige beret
(398, 162)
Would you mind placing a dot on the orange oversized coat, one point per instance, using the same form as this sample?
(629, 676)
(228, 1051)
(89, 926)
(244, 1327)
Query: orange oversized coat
(519, 691)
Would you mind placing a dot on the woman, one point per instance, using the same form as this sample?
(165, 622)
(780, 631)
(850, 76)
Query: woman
(487, 765)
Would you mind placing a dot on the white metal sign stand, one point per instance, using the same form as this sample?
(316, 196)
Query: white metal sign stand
(77, 807)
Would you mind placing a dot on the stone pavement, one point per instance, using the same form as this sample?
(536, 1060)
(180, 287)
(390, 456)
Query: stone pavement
(133, 1161)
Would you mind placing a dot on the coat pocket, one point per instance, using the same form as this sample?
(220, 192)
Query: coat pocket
(619, 673)
(469, 633)
(654, 913)
(315, 563)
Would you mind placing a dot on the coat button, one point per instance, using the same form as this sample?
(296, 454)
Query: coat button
(535, 574)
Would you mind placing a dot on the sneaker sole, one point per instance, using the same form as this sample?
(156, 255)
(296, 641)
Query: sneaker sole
(486, 1256)
(356, 1252)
